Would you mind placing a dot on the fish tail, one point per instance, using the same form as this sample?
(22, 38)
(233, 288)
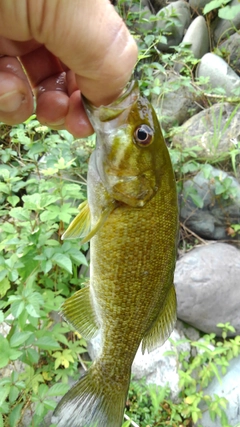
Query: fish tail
(92, 402)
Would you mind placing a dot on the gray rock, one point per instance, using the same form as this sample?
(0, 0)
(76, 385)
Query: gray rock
(154, 367)
(143, 23)
(220, 74)
(222, 28)
(230, 49)
(214, 130)
(207, 287)
(197, 39)
(169, 111)
(219, 211)
(188, 331)
(175, 18)
(198, 5)
(156, 5)
(228, 388)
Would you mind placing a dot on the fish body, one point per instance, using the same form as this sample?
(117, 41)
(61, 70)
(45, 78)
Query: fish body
(133, 226)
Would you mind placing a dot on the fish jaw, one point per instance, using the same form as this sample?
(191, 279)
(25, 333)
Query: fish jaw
(129, 173)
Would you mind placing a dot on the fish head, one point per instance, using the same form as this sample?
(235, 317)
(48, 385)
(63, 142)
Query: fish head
(128, 147)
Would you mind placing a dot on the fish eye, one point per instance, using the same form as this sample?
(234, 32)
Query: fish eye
(143, 135)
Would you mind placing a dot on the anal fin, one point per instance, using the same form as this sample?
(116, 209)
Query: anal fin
(78, 310)
(163, 325)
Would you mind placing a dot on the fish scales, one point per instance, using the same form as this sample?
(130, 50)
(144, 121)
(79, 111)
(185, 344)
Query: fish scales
(132, 206)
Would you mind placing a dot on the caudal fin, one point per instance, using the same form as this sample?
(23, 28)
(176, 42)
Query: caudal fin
(92, 403)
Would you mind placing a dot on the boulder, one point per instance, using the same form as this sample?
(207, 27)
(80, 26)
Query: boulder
(214, 130)
(169, 111)
(228, 388)
(207, 287)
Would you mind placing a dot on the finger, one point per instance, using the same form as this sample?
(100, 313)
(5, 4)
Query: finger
(16, 98)
(77, 122)
(100, 50)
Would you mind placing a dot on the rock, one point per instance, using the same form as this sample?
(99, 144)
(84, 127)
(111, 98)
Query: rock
(213, 129)
(230, 50)
(228, 388)
(144, 14)
(154, 367)
(176, 18)
(188, 331)
(223, 28)
(207, 287)
(156, 5)
(169, 111)
(220, 74)
(197, 39)
(198, 5)
(219, 211)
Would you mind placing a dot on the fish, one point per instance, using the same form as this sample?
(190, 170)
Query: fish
(131, 220)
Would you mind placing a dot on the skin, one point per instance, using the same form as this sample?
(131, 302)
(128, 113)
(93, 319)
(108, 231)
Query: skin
(66, 47)
(131, 290)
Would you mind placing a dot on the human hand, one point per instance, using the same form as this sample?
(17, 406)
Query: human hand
(65, 47)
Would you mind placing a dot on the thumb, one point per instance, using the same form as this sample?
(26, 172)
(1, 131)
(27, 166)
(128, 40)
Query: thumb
(91, 39)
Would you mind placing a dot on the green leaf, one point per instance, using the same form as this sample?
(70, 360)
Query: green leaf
(1, 316)
(229, 12)
(17, 308)
(4, 392)
(15, 415)
(63, 261)
(214, 4)
(18, 338)
(58, 389)
(13, 200)
(4, 286)
(47, 343)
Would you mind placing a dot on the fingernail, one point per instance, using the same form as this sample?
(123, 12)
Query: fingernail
(11, 101)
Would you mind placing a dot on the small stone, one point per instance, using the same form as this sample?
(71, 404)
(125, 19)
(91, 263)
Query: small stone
(222, 28)
(179, 15)
(230, 50)
(198, 5)
(207, 287)
(220, 74)
(197, 39)
(219, 211)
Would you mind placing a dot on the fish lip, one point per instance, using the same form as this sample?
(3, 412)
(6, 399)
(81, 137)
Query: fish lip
(111, 111)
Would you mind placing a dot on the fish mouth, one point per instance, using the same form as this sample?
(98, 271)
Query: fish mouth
(109, 112)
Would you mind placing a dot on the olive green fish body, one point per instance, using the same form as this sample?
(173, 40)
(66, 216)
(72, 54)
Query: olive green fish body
(132, 204)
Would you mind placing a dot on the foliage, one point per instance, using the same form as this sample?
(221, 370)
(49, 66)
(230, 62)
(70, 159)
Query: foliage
(40, 181)
(149, 405)
(225, 11)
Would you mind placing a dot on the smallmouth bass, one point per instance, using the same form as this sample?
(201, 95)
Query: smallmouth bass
(131, 217)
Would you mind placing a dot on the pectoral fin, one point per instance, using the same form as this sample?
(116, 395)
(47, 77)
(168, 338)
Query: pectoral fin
(81, 225)
(163, 325)
(78, 310)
